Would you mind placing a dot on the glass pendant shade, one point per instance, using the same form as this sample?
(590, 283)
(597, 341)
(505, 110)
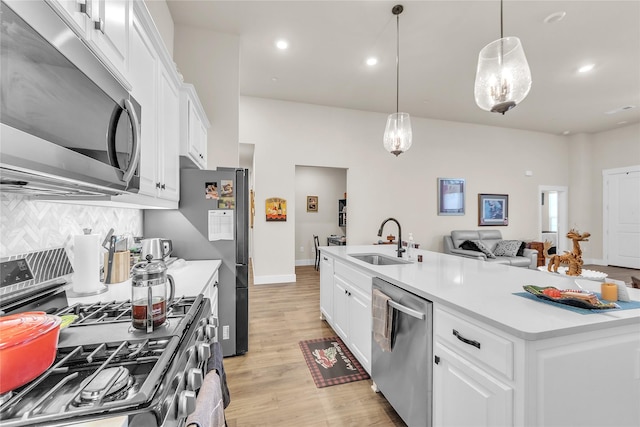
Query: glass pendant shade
(503, 78)
(397, 134)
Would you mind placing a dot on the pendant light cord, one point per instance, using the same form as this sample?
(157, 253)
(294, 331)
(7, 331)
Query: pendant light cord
(501, 32)
(397, 63)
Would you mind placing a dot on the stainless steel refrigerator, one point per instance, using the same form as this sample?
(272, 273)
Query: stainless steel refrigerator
(214, 204)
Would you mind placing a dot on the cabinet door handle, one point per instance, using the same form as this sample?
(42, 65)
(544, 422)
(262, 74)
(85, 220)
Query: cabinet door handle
(466, 340)
(163, 186)
(99, 25)
(436, 359)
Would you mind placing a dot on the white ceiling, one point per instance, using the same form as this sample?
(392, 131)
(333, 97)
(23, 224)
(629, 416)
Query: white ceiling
(439, 46)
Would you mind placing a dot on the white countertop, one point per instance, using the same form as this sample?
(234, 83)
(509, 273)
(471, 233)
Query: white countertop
(189, 277)
(485, 291)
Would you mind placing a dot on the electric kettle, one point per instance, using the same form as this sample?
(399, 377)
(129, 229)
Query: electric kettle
(159, 249)
(149, 299)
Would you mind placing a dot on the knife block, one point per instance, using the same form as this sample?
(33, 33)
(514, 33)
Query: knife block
(120, 267)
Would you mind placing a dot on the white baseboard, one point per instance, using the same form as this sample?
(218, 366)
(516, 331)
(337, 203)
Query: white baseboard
(300, 262)
(595, 261)
(267, 280)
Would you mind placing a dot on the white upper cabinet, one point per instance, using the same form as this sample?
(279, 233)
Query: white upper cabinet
(168, 137)
(75, 14)
(193, 129)
(109, 30)
(105, 26)
(143, 73)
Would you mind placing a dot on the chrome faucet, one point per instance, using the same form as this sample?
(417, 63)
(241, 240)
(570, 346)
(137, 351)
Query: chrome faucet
(400, 248)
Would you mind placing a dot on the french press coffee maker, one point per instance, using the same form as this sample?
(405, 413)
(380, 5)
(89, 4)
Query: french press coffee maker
(149, 298)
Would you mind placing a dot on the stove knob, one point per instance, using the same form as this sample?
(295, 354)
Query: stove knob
(186, 403)
(194, 378)
(204, 352)
(213, 320)
(210, 331)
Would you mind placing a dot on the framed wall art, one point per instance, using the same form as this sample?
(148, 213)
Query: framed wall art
(493, 209)
(276, 209)
(451, 196)
(312, 203)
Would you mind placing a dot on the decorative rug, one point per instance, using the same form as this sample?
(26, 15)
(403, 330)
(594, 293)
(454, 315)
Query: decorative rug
(330, 362)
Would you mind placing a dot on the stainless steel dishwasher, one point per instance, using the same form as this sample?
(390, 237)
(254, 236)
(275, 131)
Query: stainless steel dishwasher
(405, 375)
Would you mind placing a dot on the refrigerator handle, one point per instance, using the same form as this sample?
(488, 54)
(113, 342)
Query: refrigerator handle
(242, 217)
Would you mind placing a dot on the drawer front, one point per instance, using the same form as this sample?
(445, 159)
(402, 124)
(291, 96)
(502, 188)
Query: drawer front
(476, 343)
(353, 276)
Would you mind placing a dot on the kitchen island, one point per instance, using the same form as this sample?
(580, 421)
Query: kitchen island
(539, 364)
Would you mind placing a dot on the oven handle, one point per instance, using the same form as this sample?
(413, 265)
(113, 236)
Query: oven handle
(411, 312)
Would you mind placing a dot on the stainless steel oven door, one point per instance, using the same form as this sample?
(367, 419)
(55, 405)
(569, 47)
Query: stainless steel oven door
(63, 113)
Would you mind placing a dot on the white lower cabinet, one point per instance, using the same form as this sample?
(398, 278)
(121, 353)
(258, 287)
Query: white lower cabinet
(326, 287)
(466, 395)
(485, 377)
(351, 317)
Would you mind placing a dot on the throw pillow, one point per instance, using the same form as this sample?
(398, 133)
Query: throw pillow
(523, 246)
(507, 248)
(484, 249)
(469, 245)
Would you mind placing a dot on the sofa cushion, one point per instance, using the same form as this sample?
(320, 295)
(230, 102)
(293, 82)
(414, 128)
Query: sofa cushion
(518, 261)
(469, 246)
(459, 236)
(507, 248)
(523, 246)
(484, 248)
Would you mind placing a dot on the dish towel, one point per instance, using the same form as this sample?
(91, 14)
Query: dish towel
(215, 362)
(382, 319)
(209, 407)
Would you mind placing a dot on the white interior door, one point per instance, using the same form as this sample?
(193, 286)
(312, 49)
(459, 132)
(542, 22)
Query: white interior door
(621, 217)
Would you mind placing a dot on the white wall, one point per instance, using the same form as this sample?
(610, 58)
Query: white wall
(329, 184)
(492, 160)
(211, 61)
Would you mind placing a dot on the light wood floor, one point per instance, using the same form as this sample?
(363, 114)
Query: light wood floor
(271, 384)
(616, 273)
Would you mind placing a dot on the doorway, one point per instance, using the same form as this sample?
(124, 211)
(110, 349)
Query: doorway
(324, 187)
(553, 221)
(621, 216)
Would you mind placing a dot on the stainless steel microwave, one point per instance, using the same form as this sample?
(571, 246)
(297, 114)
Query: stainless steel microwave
(68, 126)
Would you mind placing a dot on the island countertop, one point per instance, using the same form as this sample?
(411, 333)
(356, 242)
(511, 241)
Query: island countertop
(485, 291)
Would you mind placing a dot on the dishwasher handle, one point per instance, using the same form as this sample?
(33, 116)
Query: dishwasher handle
(411, 312)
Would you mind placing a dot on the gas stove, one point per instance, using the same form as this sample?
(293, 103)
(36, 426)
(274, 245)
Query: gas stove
(104, 368)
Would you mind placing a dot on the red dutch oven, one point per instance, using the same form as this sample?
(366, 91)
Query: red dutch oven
(28, 344)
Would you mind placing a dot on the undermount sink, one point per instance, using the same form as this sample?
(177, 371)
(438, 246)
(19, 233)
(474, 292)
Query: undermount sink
(377, 259)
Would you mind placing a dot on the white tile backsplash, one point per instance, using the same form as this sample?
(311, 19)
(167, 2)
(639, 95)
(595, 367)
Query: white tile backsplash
(27, 225)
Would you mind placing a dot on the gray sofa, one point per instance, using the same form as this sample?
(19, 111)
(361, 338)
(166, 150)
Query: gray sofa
(490, 239)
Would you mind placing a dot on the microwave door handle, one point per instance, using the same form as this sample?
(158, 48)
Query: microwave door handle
(135, 150)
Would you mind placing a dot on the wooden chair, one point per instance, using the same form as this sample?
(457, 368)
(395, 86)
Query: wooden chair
(316, 243)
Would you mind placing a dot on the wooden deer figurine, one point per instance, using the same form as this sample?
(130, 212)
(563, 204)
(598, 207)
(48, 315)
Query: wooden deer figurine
(573, 259)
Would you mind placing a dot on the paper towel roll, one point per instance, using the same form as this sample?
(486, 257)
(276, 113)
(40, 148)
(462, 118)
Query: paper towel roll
(86, 264)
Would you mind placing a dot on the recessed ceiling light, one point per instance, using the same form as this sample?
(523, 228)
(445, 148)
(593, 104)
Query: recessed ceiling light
(274, 79)
(371, 61)
(586, 68)
(624, 122)
(555, 17)
(282, 44)
(566, 132)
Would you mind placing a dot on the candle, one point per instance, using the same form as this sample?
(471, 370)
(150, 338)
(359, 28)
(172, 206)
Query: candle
(609, 291)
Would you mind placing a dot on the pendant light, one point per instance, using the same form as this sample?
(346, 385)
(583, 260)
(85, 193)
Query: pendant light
(397, 134)
(503, 78)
